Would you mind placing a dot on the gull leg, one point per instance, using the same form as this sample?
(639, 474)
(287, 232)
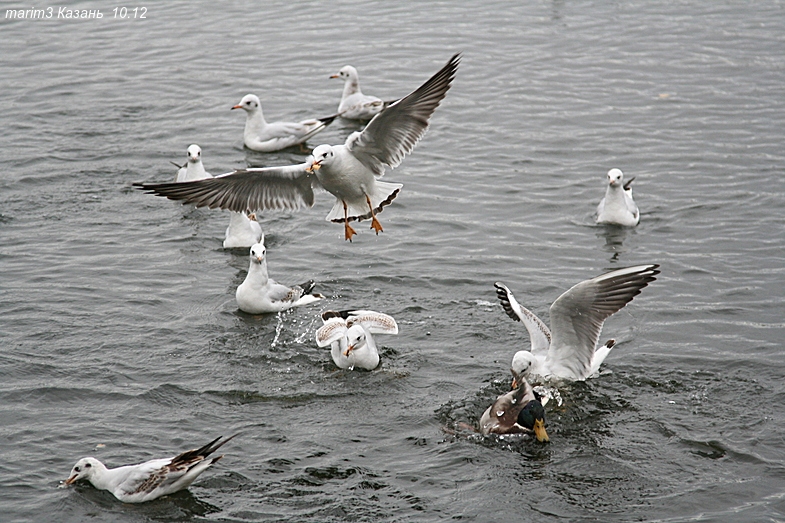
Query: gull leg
(348, 230)
(375, 225)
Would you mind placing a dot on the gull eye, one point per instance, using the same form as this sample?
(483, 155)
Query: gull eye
(77, 469)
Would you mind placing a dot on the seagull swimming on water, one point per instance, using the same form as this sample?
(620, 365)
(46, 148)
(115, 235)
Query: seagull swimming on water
(349, 335)
(193, 168)
(618, 207)
(349, 171)
(243, 231)
(570, 350)
(264, 137)
(149, 480)
(354, 104)
(516, 412)
(260, 294)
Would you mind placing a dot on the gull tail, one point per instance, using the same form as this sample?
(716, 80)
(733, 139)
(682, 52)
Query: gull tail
(383, 195)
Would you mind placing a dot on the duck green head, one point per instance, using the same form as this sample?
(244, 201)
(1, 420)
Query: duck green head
(533, 418)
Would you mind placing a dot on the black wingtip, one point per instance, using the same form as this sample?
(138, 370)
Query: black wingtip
(327, 120)
(503, 294)
(308, 286)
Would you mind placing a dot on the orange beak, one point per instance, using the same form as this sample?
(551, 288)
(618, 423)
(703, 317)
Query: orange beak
(539, 431)
(70, 480)
(315, 166)
(349, 349)
(334, 76)
(237, 107)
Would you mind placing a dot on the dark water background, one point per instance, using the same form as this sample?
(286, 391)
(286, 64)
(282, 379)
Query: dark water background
(118, 325)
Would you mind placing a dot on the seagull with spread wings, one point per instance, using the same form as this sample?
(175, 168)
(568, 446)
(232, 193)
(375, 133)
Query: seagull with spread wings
(350, 171)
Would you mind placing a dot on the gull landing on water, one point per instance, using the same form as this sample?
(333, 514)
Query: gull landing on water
(149, 480)
(260, 294)
(349, 335)
(349, 171)
(618, 207)
(354, 104)
(570, 351)
(264, 137)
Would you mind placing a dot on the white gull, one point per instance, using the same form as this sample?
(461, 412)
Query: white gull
(570, 350)
(618, 207)
(349, 335)
(151, 479)
(260, 294)
(261, 136)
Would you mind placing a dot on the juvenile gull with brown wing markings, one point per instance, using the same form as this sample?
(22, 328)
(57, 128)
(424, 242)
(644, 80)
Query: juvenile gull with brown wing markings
(349, 335)
(151, 479)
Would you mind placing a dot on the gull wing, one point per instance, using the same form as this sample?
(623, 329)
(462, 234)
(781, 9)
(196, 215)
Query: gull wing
(286, 188)
(577, 316)
(334, 329)
(375, 322)
(393, 133)
(539, 334)
(162, 473)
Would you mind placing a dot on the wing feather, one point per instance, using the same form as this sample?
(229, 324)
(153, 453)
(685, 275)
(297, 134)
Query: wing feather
(393, 133)
(577, 316)
(286, 188)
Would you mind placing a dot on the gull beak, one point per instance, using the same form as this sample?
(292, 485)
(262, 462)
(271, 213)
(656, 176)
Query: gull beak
(349, 349)
(260, 259)
(252, 216)
(237, 107)
(514, 383)
(313, 167)
(539, 431)
(70, 480)
(334, 76)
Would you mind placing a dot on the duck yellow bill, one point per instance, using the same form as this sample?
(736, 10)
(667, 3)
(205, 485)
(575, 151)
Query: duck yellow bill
(70, 480)
(539, 431)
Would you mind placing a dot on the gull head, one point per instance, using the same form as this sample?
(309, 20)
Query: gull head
(84, 469)
(615, 176)
(249, 103)
(346, 72)
(194, 153)
(521, 366)
(258, 253)
(322, 155)
(355, 339)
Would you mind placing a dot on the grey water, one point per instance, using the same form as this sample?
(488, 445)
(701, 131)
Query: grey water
(120, 337)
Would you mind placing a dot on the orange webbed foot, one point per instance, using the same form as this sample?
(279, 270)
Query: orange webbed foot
(348, 231)
(376, 226)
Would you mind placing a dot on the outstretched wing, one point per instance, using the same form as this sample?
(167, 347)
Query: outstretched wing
(578, 314)
(334, 329)
(375, 322)
(286, 188)
(393, 133)
(539, 334)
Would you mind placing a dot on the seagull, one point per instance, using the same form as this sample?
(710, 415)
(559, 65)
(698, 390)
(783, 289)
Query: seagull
(618, 207)
(269, 137)
(570, 352)
(349, 172)
(260, 294)
(193, 169)
(349, 335)
(243, 231)
(151, 479)
(516, 412)
(354, 104)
